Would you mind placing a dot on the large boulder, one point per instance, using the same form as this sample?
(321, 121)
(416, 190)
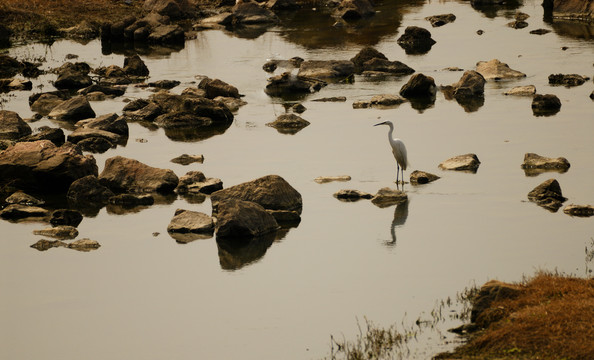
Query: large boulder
(327, 69)
(128, 175)
(419, 85)
(243, 219)
(74, 109)
(496, 70)
(416, 40)
(42, 166)
(440, 20)
(271, 192)
(133, 65)
(548, 195)
(12, 127)
(467, 162)
(88, 192)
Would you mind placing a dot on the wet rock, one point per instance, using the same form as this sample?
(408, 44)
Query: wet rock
(496, 70)
(186, 159)
(73, 77)
(147, 113)
(132, 200)
(43, 245)
(188, 111)
(95, 144)
(218, 21)
(12, 127)
(164, 84)
(63, 232)
(21, 198)
(133, 65)
(46, 102)
(419, 85)
(17, 212)
(418, 177)
(188, 179)
(289, 84)
(108, 90)
(195, 182)
(327, 69)
(354, 9)
(288, 123)
(186, 221)
(540, 31)
(110, 122)
(547, 104)
(581, 10)
(243, 219)
(366, 54)
(175, 9)
(66, 217)
(528, 90)
(579, 210)
(216, 87)
(535, 161)
(471, 83)
(285, 218)
(387, 197)
(233, 104)
(128, 175)
(440, 20)
(292, 63)
(326, 179)
(567, 79)
(297, 108)
(381, 66)
(83, 133)
(74, 109)
(248, 12)
(352, 195)
(548, 195)
(9, 66)
(88, 192)
(416, 40)
(518, 24)
(192, 92)
(271, 191)
(385, 101)
(467, 162)
(331, 99)
(482, 313)
(166, 35)
(43, 166)
(84, 245)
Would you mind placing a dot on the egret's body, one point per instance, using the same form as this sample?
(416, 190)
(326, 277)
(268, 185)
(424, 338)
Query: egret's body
(398, 149)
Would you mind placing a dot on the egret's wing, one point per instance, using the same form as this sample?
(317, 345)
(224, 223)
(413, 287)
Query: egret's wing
(399, 151)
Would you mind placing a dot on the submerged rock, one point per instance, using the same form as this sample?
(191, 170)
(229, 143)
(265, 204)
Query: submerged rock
(352, 195)
(132, 200)
(288, 123)
(186, 159)
(243, 219)
(467, 162)
(416, 40)
(496, 70)
(287, 84)
(579, 210)
(387, 197)
(66, 217)
(421, 177)
(327, 69)
(567, 79)
(535, 161)
(440, 20)
(63, 232)
(354, 9)
(543, 105)
(326, 179)
(548, 195)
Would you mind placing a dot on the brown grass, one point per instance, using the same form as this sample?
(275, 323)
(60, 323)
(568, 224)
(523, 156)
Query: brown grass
(553, 318)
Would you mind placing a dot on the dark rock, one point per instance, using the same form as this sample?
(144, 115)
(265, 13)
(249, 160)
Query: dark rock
(418, 85)
(271, 191)
(12, 127)
(63, 232)
(421, 177)
(567, 79)
(548, 195)
(9, 66)
(579, 210)
(147, 113)
(17, 212)
(468, 162)
(540, 31)
(471, 83)
(127, 175)
(581, 10)
(366, 54)
(43, 245)
(535, 161)
(547, 104)
(387, 197)
(42, 166)
(110, 90)
(184, 111)
(7, 85)
(164, 84)
(72, 78)
(282, 5)
(110, 122)
(440, 20)
(354, 9)
(132, 200)
(243, 219)
(186, 221)
(352, 195)
(518, 24)
(88, 192)
(166, 35)
(95, 144)
(388, 67)
(186, 159)
(74, 109)
(288, 123)
(416, 40)
(327, 69)
(66, 217)
(46, 102)
(482, 312)
(175, 9)
(249, 12)
(289, 84)
(207, 186)
(216, 87)
(84, 245)
(55, 135)
(133, 65)
(21, 198)
(235, 253)
(332, 99)
(5, 34)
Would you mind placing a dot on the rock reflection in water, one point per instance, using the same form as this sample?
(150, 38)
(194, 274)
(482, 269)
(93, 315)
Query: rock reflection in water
(195, 134)
(234, 254)
(400, 216)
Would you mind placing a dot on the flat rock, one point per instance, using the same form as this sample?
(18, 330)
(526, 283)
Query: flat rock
(535, 161)
(567, 79)
(21, 198)
(63, 232)
(186, 159)
(83, 133)
(132, 200)
(387, 197)
(418, 177)
(579, 210)
(186, 221)
(19, 212)
(55, 135)
(527, 90)
(109, 122)
(288, 123)
(326, 179)
(440, 20)
(327, 69)
(121, 174)
(84, 245)
(496, 70)
(467, 162)
(207, 186)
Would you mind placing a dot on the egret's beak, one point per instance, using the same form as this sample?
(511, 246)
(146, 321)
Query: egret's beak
(382, 123)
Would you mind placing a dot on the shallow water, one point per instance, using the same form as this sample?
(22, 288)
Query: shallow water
(148, 297)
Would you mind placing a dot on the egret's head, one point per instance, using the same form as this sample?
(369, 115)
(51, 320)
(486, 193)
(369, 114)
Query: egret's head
(382, 123)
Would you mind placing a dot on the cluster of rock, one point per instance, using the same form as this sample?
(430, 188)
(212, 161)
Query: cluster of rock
(383, 198)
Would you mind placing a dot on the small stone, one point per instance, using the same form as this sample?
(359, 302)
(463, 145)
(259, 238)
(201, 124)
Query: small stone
(468, 162)
(421, 177)
(387, 197)
(325, 179)
(528, 90)
(186, 159)
(21, 198)
(579, 210)
(63, 232)
(352, 195)
(84, 245)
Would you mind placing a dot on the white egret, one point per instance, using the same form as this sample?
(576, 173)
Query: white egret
(398, 149)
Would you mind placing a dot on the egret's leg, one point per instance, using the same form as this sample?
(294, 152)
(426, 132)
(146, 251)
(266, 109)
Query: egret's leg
(397, 173)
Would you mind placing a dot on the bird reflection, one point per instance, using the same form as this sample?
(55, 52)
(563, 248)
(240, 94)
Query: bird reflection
(400, 216)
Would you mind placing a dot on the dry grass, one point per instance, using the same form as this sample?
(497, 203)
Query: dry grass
(553, 318)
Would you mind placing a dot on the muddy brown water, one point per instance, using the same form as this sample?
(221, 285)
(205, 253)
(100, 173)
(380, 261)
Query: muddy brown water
(149, 297)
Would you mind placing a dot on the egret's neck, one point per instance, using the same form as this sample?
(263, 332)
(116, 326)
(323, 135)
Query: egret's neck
(391, 131)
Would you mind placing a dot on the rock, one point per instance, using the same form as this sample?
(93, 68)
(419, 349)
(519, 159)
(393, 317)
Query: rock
(482, 313)
(271, 192)
(83, 30)
(579, 210)
(186, 159)
(132, 200)
(243, 219)
(326, 179)
(109, 90)
(43, 245)
(418, 85)
(540, 31)
(366, 54)
(440, 20)
(218, 21)
(380, 101)
(196, 182)
(55, 135)
(416, 40)
(74, 109)
(285, 218)
(471, 83)
(528, 90)
(167, 35)
(127, 175)
(567, 79)
(147, 113)
(133, 65)
(352, 195)
(83, 133)
(5, 34)
(297, 108)
(288, 123)
(216, 87)
(282, 5)
(7, 85)
(189, 111)
(421, 177)
(535, 161)
(582, 10)
(72, 78)
(186, 221)
(331, 99)
(547, 104)
(387, 197)
(327, 69)
(19, 212)
(42, 166)
(21, 198)
(249, 12)
(289, 84)
(518, 24)
(9, 66)
(84, 245)
(175, 9)
(88, 192)
(468, 162)
(496, 70)
(46, 102)
(292, 63)
(548, 195)
(12, 127)
(354, 9)
(164, 84)
(381, 66)
(95, 144)
(66, 217)
(63, 232)
(111, 122)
